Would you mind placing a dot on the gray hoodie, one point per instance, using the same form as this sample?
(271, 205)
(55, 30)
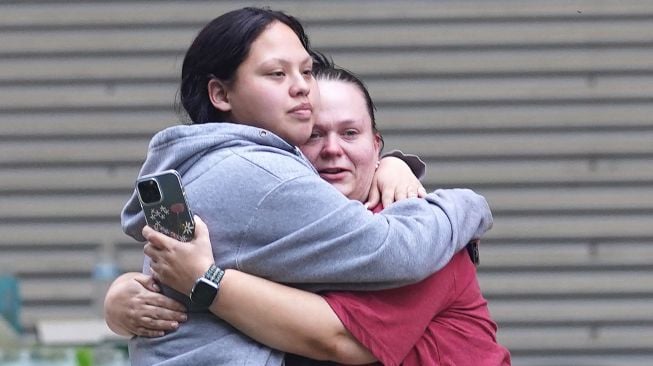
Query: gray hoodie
(271, 215)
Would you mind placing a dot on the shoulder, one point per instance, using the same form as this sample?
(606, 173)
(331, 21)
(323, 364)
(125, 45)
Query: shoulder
(278, 163)
(251, 175)
(244, 158)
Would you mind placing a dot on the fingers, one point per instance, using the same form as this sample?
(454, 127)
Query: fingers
(201, 230)
(157, 318)
(155, 275)
(155, 253)
(157, 239)
(150, 250)
(151, 327)
(401, 192)
(149, 306)
(413, 189)
(150, 295)
(156, 315)
(134, 309)
(155, 272)
(149, 333)
(417, 191)
(147, 231)
(388, 197)
(374, 197)
(147, 282)
(166, 308)
(151, 285)
(178, 264)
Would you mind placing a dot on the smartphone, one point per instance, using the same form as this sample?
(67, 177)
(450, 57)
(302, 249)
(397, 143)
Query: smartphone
(164, 203)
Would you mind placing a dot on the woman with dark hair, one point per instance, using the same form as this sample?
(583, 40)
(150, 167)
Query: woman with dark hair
(217, 52)
(267, 210)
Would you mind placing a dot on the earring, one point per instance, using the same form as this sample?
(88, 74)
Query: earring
(377, 164)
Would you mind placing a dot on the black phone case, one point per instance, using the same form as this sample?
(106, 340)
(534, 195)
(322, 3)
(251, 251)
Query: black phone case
(170, 215)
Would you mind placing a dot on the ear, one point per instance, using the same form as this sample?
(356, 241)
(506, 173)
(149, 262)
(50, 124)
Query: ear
(218, 95)
(377, 143)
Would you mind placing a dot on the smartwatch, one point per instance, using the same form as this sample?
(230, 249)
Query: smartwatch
(206, 287)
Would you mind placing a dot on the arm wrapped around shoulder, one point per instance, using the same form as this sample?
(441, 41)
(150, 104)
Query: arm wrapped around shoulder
(307, 233)
(453, 218)
(468, 213)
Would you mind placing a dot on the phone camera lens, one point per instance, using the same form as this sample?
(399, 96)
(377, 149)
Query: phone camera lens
(149, 191)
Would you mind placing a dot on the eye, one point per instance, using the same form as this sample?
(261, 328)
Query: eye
(350, 133)
(308, 73)
(314, 135)
(277, 74)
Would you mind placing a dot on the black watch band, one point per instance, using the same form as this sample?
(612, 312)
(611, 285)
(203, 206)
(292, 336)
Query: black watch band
(214, 274)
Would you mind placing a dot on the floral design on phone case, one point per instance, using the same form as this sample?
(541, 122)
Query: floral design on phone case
(163, 217)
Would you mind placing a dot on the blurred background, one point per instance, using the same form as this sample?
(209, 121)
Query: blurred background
(544, 107)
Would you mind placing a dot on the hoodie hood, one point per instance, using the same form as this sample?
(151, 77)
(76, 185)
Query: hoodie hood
(181, 147)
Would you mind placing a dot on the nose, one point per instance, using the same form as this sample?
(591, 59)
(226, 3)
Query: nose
(331, 146)
(300, 85)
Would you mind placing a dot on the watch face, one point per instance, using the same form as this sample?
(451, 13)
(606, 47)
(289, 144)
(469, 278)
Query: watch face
(203, 292)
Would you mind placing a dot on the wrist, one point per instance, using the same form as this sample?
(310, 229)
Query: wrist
(197, 270)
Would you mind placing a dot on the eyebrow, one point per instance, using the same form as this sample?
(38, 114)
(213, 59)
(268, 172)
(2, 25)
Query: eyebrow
(349, 122)
(307, 60)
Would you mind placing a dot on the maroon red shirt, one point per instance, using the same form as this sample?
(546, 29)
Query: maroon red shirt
(443, 320)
